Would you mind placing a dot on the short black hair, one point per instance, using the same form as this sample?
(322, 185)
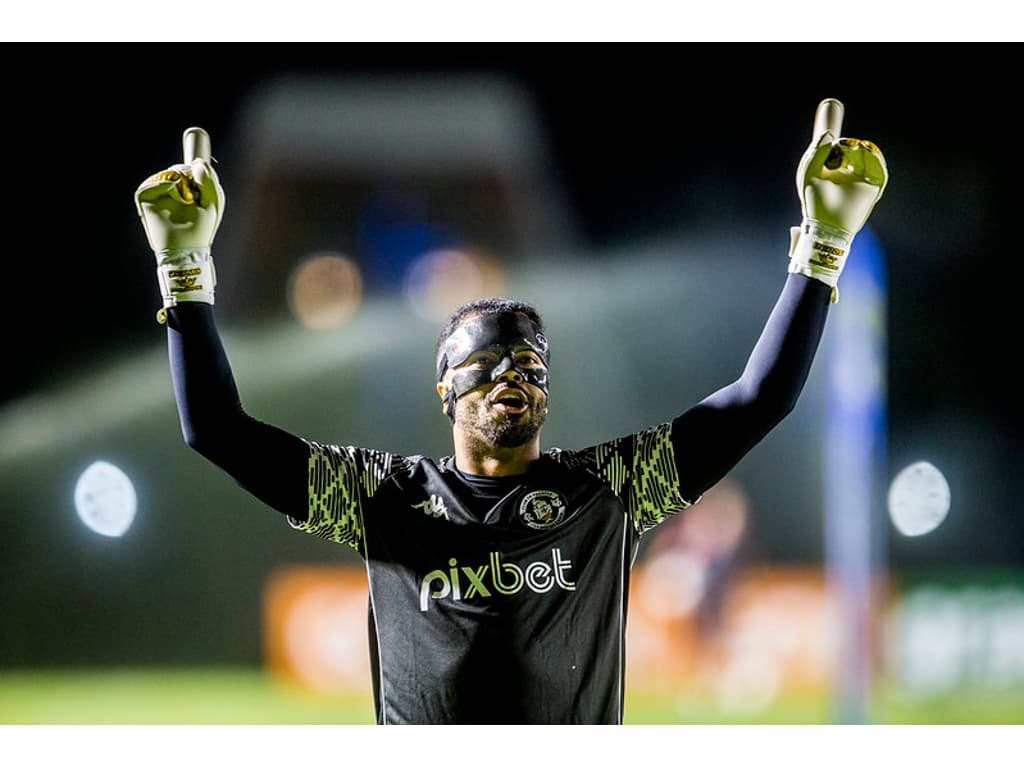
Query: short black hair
(481, 307)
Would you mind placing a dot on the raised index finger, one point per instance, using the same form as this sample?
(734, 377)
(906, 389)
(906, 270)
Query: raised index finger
(195, 144)
(829, 117)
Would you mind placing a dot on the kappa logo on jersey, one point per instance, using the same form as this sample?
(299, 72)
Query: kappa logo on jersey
(434, 507)
(542, 509)
(464, 581)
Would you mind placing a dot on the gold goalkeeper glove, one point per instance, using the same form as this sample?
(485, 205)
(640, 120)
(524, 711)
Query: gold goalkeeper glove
(180, 209)
(839, 180)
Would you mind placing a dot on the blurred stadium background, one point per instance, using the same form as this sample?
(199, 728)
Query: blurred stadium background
(645, 208)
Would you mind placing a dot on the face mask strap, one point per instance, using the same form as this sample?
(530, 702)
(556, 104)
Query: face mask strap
(449, 405)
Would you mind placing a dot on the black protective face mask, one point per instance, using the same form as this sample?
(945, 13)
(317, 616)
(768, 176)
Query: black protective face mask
(504, 335)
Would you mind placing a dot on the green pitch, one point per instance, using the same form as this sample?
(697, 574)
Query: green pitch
(168, 697)
(251, 697)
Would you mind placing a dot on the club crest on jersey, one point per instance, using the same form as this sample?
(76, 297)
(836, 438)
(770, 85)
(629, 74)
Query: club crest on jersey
(542, 509)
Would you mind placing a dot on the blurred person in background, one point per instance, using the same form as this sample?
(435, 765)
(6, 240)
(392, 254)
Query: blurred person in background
(499, 575)
(697, 553)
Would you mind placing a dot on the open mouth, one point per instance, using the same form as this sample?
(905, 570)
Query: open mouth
(509, 399)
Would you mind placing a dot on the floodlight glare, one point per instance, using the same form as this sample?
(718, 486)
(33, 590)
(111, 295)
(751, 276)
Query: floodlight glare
(105, 499)
(918, 499)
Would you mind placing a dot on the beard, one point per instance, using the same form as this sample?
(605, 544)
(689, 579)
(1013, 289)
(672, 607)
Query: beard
(500, 430)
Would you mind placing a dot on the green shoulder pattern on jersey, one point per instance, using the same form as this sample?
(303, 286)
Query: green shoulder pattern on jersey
(339, 479)
(640, 469)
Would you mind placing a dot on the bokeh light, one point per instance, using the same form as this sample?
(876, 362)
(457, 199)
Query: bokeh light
(105, 499)
(328, 655)
(325, 290)
(919, 499)
(440, 280)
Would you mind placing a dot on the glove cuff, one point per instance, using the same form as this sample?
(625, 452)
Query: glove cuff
(819, 251)
(185, 274)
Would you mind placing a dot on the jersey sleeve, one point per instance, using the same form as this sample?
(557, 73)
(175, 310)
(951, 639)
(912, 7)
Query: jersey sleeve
(640, 469)
(342, 481)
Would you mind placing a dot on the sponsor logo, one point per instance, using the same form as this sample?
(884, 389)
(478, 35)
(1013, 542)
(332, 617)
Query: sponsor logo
(542, 509)
(433, 507)
(185, 279)
(826, 256)
(826, 248)
(460, 582)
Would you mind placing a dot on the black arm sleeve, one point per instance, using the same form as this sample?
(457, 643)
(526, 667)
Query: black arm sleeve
(715, 434)
(268, 462)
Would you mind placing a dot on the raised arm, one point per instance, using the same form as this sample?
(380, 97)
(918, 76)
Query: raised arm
(180, 209)
(838, 180)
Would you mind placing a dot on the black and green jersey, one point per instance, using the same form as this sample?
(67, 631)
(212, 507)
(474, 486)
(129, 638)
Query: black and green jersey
(496, 600)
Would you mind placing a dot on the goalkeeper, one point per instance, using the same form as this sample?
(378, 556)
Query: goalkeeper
(499, 575)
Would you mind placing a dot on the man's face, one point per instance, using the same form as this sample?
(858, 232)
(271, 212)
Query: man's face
(499, 379)
(508, 412)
